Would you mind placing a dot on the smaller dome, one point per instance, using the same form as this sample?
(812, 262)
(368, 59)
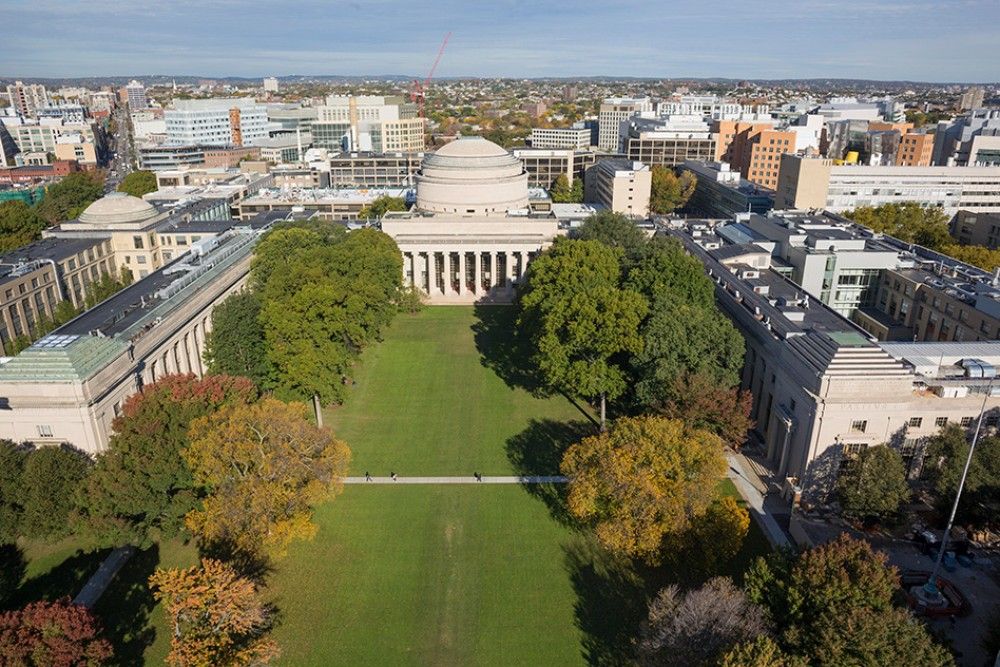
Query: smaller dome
(118, 207)
(471, 147)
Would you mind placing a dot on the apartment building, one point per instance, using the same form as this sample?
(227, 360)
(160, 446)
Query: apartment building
(27, 98)
(812, 183)
(613, 111)
(135, 94)
(622, 186)
(237, 121)
(916, 149)
(544, 166)
(723, 193)
(972, 98)
(755, 149)
(668, 141)
(972, 228)
(270, 84)
(573, 138)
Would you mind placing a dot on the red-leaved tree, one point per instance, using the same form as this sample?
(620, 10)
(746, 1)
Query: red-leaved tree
(53, 634)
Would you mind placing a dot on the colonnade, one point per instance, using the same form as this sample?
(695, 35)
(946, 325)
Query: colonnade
(181, 354)
(468, 273)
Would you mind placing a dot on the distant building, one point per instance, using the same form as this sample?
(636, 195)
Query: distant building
(544, 166)
(916, 149)
(270, 84)
(972, 98)
(817, 183)
(27, 98)
(155, 158)
(622, 186)
(972, 228)
(754, 149)
(575, 138)
(288, 148)
(326, 204)
(613, 111)
(373, 170)
(668, 141)
(535, 109)
(136, 94)
(969, 140)
(238, 121)
(723, 193)
(73, 114)
(368, 123)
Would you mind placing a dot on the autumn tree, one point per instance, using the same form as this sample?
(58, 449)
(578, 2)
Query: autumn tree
(263, 467)
(874, 484)
(698, 627)
(216, 617)
(668, 191)
(141, 488)
(760, 652)
(712, 540)
(49, 484)
(579, 320)
(643, 479)
(987, 259)
(909, 221)
(699, 400)
(138, 183)
(52, 634)
(236, 344)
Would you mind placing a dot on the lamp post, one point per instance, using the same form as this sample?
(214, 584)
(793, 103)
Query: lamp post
(931, 588)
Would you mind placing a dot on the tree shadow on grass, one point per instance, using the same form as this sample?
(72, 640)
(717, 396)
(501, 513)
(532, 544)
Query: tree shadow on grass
(538, 450)
(503, 350)
(65, 579)
(126, 605)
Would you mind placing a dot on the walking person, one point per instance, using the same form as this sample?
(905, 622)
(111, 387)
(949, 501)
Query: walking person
(368, 477)
(478, 477)
(393, 476)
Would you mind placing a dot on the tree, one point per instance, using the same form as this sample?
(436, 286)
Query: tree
(380, 206)
(20, 224)
(48, 487)
(761, 652)
(12, 458)
(698, 627)
(663, 271)
(564, 193)
(216, 617)
(985, 258)
(141, 488)
(645, 478)
(947, 453)
(909, 222)
(616, 231)
(68, 198)
(865, 636)
(579, 321)
(278, 252)
(138, 183)
(12, 569)
(698, 400)
(874, 485)
(52, 634)
(107, 286)
(264, 467)
(713, 540)
(668, 191)
(236, 344)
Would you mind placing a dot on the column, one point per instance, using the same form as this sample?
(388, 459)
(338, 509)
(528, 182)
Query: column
(477, 280)
(524, 264)
(509, 268)
(198, 349)
(461, 272)
(164, 367)
(406, 261)
(493, 270)
(414, 278)
(430, 272)
(447, 269)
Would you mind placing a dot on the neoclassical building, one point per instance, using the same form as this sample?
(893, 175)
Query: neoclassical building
(473, 230)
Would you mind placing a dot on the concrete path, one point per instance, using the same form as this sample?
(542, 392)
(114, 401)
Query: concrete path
(100, 580)
(467, 479)
(755, 499)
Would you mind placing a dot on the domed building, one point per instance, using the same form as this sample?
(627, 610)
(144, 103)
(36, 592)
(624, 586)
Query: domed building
(472, 176)
(472, 232)
(117, 208)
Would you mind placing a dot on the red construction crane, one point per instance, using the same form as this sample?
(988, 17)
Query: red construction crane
(418, 90)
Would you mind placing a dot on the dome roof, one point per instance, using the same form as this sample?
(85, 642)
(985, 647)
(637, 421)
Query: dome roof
(118, 207)
(471, 147)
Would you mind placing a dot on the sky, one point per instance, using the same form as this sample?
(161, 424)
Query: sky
(922, 40)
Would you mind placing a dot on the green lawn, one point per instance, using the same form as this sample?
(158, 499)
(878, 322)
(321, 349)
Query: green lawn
(425, 575)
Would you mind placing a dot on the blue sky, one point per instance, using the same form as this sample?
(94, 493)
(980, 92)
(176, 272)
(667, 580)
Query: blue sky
(930, 40)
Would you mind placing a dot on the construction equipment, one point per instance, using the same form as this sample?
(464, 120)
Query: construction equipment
(418, 90)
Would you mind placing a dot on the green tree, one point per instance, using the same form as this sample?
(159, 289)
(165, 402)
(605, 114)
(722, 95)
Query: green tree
(977, 255)
(68, 198)
(874, 485)
(49, 484)
(579, 320)
(380, 206)
(12, 459)
(668, 191)
(564, 193)
(278, 253)
(138, 183)
(140, 488)
(642, 480)
(865, 636)
(236, 345)
(20, 224)
(946, 455)
(662, 270)
(909, 222)
(761, 652)
(616, 231)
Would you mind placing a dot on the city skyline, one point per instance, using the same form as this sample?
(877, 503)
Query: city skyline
(866, 40)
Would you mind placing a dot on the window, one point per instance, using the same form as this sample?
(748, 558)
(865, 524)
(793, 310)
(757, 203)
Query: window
(859, 426)
(137, 242)
(915, 422)
(44, 431)
(968, 421)
(941, 422)
(141, 259)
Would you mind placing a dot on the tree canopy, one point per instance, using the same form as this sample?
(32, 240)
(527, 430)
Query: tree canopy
(141, 488)
(946, 455)
(236, 344)
(564, 193)
(52, 633)
(138, 183)
(263, 467)
(49, 481)
(380, 206)
(66, 199)
(873, 485)
(668, 191)
(20, 224)
(643, 479)
(909, 221)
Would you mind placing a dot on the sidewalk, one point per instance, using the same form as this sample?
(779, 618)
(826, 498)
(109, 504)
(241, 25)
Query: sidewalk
(751, 488)
(468, 479)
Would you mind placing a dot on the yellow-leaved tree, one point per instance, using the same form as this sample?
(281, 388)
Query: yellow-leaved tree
(264, 466)
(645, 478)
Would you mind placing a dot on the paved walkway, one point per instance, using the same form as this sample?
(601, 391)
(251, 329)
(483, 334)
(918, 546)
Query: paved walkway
(100, 580)
(755, 499)
(467, 479)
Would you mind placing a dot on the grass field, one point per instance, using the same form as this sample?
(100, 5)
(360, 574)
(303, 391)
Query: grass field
(427, 575)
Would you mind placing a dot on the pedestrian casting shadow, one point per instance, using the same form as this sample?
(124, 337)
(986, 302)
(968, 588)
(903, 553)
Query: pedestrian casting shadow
(538, 450)
(126, 605)
(503, 350)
